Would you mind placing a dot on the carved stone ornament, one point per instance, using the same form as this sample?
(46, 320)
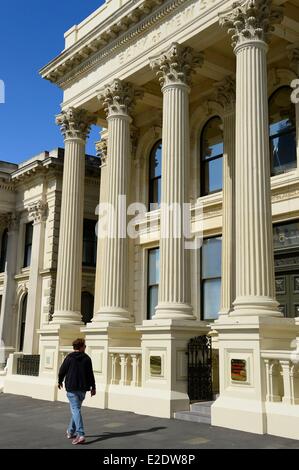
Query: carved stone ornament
(37, 211)
(225, 93)
(251, 20)
(101, 149)
(9, 221)
(75, 123)
(119, 98)
(293, 54)
(176, 65)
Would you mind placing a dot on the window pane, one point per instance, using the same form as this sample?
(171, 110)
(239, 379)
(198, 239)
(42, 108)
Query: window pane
(283, 150)
(152, 301)
(3, 250)
(213, 175)
(282, 131)
(211, 258)
(153, 267)
(212, 139)
(211, 298)
(87, 305)
(286, 235)
(155, 193)
(156, 161)
(89, 243)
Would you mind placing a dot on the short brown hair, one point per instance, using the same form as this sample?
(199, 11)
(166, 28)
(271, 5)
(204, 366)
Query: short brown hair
(78, 343)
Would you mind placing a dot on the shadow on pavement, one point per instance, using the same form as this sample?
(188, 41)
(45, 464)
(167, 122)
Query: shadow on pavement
(111, 435)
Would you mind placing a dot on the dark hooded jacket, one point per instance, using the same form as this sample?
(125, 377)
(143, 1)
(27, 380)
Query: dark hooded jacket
(78, 373)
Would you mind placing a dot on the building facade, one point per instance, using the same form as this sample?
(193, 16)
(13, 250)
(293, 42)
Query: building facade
(198, 118)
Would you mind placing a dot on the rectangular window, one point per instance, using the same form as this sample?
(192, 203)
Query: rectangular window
(89, 243)
(28, 244)
(153, 279)
(211, 278)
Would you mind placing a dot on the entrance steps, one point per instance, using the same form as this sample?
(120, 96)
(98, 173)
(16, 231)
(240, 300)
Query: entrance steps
(200, 412)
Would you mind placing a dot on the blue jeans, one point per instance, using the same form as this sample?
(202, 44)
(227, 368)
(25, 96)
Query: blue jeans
(76, 424)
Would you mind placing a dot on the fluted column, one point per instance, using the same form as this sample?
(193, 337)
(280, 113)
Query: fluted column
(226, 96)
(293, 51)
(37, 213)
(75, 125)
(118, 100)
(8, 321)
(101, 148)
(250, 24)
(174, 69)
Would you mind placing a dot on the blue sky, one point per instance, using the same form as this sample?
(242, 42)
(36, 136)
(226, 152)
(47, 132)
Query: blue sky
(31, 34)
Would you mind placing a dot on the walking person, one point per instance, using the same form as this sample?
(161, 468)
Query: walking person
(79, 379)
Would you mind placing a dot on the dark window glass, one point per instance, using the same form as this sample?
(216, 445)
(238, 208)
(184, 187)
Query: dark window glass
(155, 172)
(153, 281)
(211, 278)
(87, 305)
(28, 244)
(282, 131)
(3, 250)
(89, 243)
(211, 157)
(286, 235)
(23, 321)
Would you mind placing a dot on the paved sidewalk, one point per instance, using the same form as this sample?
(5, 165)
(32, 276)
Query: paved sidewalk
(36, 424)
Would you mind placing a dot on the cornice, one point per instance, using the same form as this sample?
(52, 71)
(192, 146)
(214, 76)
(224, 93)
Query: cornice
(74, 62)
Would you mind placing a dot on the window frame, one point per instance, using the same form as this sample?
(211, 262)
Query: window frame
(152, 180)
(86, 264)
(290, 131)
(148, 285)
(27, 264)
(205, 161)
(207, 279)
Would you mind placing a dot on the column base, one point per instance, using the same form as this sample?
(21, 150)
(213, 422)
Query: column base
(255, 306)
(164, 363)
(113, 314)
(64, 317)
(242, 341)
(174, 311)
(4, 355)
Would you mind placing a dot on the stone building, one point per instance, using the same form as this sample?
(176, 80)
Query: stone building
(193, 115)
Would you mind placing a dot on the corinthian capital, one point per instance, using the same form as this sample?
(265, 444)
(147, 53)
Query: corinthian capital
(37, 211)
(176, 64)
(119, 98)
(75, 123)
(251, 20)
(225, 94)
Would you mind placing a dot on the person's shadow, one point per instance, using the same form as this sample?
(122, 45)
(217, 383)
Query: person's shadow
(111, 435)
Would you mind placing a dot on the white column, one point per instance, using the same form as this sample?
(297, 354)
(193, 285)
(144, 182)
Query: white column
(118, 100)
(293, 51)
(226, 96)
(250, 25)
(174, 68)
(101, 148)
(7, 318)
(75, 125)
(37, 213)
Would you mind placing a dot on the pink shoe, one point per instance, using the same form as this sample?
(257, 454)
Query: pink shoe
(79, 440)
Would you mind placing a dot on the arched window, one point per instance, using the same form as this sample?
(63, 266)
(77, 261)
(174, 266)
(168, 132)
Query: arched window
(23, 320)
(3, 250)
(155, 173)
(211, 156)
(87, 304)
(282, 130)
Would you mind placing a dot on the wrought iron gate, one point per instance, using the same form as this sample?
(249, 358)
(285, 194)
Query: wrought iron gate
(200, 369)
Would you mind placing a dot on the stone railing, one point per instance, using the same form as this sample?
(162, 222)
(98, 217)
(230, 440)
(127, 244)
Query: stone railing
(282, 376)
(125, 366)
